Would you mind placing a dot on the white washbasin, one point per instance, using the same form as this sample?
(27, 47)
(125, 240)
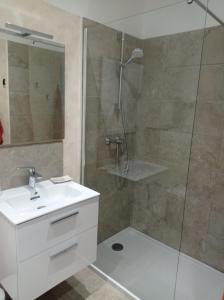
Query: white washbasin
(48, 196)
(17, 206)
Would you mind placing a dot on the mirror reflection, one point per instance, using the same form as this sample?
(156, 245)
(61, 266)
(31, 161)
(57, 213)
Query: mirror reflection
(32, 94)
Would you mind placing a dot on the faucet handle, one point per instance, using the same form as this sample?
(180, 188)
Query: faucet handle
(31, 170)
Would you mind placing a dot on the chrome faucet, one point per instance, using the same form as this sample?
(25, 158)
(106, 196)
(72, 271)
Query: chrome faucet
(33, 178)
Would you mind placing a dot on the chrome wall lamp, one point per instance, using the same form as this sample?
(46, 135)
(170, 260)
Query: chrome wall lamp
(28, 34)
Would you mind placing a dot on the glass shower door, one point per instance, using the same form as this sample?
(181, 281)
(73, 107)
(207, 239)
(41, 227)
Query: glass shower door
(142, 208)
(201, 262)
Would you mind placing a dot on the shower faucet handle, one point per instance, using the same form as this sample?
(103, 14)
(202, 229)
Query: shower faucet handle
(117, 140)
(107, 141)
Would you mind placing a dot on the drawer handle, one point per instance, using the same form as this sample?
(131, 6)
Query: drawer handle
(65, 217)
(63, 251)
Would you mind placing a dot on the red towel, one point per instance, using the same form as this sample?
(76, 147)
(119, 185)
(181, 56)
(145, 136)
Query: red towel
(1, 133)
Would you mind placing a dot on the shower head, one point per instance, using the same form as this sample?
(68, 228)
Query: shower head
(136, 53)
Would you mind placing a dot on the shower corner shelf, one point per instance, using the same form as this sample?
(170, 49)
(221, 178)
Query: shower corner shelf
(138, 170)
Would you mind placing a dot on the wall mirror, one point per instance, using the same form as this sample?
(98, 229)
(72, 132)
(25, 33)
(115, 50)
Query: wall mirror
(31, 92)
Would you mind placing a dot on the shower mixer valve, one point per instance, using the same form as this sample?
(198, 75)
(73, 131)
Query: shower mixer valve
(117, 140)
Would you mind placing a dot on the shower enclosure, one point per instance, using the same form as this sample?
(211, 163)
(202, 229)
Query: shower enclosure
(154, 140)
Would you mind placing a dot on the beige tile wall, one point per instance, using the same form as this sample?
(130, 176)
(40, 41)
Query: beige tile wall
(164, 130)
(47, 158)
(102, 119)
(203, 236)
(67, 29)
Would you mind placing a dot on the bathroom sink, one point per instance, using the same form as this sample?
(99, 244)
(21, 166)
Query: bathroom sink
(17, 206)
(48, 196)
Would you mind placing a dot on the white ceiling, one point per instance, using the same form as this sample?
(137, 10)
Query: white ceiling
(144, 18)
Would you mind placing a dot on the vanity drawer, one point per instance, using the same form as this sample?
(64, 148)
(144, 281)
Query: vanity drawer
(42, 272)
(45, 232)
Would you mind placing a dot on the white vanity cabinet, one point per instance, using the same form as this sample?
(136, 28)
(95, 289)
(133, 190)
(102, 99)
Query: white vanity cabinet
(38, 254)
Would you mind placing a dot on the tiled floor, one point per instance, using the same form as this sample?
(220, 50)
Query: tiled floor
(85, 285)
(148, 269)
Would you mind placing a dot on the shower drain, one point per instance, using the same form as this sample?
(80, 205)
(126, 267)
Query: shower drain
(117, 247)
